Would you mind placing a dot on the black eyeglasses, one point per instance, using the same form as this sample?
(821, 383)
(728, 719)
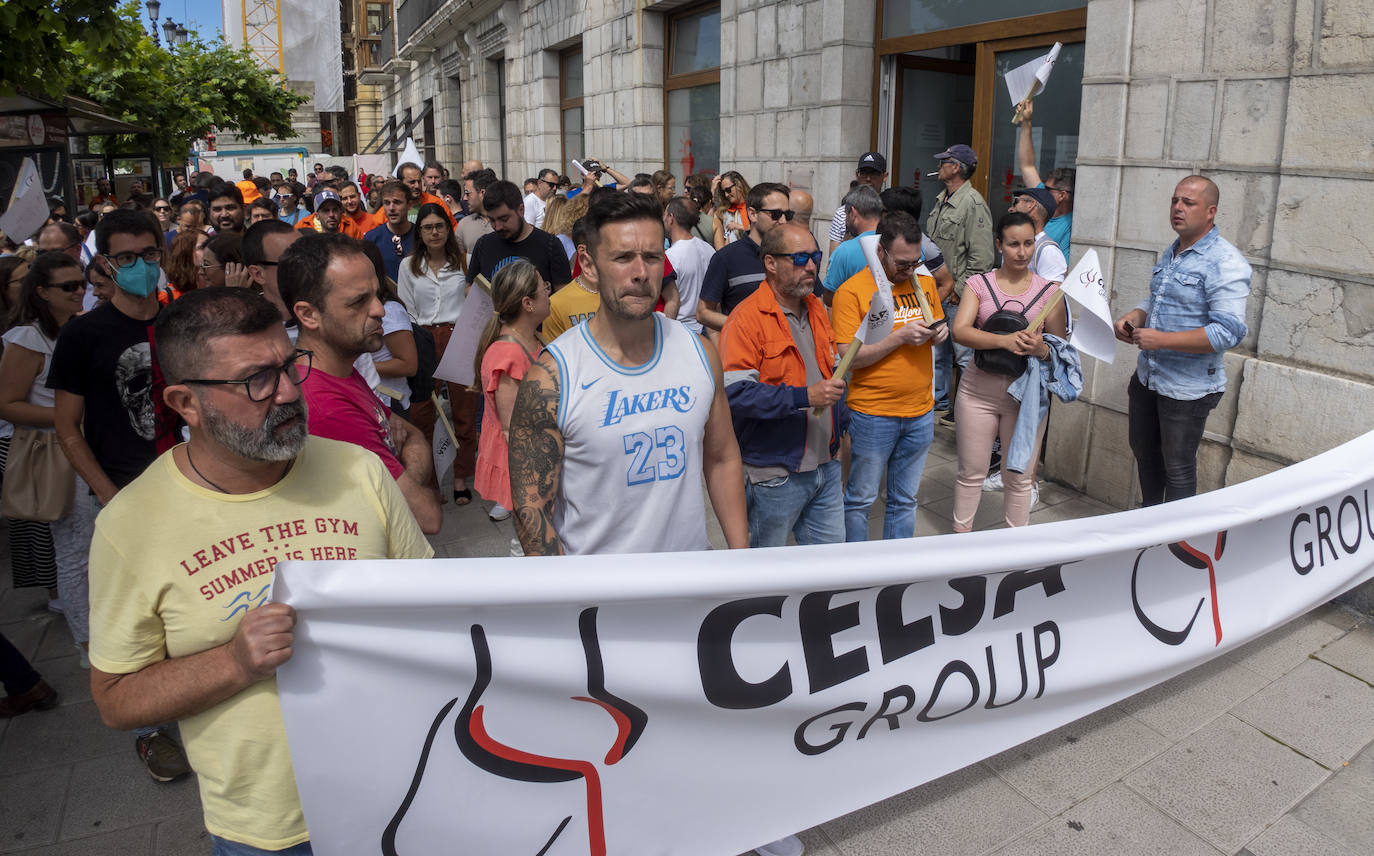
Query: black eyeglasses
(152, 255)
(1059, 189)
(778, 214)
(262, 385)
(162, 208)
(725, 189)
(546, 181)
(69, 285)
(800, 259)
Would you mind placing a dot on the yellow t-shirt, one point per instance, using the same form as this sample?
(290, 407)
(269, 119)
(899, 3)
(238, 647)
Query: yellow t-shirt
(572, 305)
(175, 566)
(900, 383)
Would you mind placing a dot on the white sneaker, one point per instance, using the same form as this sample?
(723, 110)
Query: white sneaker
(498, 513)
(1035, 498)
(85, 658)
(515, 548)
(789, 846)
(993, 482)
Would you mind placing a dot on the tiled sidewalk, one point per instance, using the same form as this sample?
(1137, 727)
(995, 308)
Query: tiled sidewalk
(1258, 752)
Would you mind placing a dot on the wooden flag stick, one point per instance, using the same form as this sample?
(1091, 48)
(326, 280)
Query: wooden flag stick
(448, 426)
(931, 321)
(1045, 313)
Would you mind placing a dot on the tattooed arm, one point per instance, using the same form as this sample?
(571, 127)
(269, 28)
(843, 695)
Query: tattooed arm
(536, 458)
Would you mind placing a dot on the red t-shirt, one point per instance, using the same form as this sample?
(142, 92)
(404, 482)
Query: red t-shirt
(344, 408)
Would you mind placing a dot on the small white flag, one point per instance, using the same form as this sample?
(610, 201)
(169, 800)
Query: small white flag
(445, 445)
(28, 207)
(1093, 334)
(880, 309)
(1031, 79)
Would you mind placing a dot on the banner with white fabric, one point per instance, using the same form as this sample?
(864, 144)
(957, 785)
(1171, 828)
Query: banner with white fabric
(705, 704)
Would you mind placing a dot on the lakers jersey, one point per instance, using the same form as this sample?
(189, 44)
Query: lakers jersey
(632, 444)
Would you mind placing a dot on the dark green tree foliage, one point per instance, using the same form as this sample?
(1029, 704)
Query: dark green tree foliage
(179, 93)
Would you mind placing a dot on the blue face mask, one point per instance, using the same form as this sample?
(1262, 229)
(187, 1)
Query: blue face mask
(139, 279)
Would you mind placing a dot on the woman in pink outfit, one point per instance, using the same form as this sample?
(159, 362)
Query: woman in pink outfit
(983, 410)
(508, 346)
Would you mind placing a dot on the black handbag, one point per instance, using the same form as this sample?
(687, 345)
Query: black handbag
(1000, 361)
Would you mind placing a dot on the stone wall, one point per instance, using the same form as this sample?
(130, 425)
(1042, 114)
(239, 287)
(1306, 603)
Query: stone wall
(1270, 100)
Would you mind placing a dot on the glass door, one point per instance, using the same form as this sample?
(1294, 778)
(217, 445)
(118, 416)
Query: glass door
(935, 111)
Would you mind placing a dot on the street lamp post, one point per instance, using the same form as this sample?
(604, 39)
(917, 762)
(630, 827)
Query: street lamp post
(182, 34)
(153, 7)
(169, 29)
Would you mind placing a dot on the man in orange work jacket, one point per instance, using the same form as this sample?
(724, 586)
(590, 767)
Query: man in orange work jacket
(788, 410)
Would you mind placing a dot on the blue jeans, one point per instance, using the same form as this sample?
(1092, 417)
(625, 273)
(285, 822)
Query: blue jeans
(947, 354)
(225, 847)
(899, 444)
(809, 505)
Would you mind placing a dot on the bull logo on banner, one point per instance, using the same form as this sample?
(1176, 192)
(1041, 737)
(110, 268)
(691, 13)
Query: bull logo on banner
(1196, 559)
(486, 752)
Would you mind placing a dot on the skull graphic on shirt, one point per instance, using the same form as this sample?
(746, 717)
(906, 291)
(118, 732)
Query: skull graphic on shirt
(134, 382)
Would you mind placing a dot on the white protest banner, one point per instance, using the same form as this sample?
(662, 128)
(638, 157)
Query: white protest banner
(1093, 333)
(1030, 79)
(409, 154)
(704, 704)
(455, 366)
(28, 207)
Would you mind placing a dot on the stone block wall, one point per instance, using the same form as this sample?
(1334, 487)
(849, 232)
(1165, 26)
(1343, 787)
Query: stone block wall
(1269, 99)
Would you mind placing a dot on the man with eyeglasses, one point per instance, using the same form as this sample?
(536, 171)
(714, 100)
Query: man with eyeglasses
(961, 226)
(182, 629)
(262, 248)
(396, 236)
(62, 238)
(544, 186)
(109, 413)
(892, 407)
(787, 407)
(515, 237)
(329, 284)
(1059, 183)
(736, 271)
(472, 227)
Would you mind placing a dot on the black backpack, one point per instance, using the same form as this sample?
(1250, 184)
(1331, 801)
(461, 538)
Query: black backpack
(427, 360)
(1000, 361)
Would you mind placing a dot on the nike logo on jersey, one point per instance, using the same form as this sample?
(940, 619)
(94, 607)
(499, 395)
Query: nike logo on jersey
(589, 384)
(619, 406)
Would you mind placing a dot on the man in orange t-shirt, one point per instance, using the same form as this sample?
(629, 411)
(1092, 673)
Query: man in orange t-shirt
(413, 178)
(892, 423)
(329, 216)
(354, 210)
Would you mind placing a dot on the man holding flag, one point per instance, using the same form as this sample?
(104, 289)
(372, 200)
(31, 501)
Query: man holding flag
(890, 398)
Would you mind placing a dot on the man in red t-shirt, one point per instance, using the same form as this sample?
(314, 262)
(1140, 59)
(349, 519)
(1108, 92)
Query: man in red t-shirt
(329, 284)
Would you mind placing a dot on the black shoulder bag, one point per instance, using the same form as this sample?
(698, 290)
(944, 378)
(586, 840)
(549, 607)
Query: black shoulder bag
(999, 360)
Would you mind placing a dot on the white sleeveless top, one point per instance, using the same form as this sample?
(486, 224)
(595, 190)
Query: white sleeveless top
(632, 444)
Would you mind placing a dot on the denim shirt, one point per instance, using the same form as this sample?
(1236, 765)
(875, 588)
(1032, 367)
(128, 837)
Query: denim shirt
(1203, 286)
(1062, 376)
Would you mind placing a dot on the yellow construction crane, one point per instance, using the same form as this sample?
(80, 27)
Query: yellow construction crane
(262, 32)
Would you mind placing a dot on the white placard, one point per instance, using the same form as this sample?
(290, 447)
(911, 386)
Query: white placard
(28, 207)
(455, 366)
(689, 704)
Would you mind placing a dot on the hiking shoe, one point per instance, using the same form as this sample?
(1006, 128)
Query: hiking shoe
(498, 513)
(38, 697)
(993, 482)
(163, 756)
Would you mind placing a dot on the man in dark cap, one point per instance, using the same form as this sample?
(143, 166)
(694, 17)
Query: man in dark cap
(872, 170)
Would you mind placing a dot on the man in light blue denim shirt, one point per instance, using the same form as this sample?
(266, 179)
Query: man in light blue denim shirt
(1195, 312)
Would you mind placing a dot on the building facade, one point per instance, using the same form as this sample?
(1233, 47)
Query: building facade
(1262, 97)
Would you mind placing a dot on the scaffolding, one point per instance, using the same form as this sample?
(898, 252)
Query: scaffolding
(262, 32)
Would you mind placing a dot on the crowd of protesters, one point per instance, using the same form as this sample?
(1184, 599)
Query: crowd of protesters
(243, 353)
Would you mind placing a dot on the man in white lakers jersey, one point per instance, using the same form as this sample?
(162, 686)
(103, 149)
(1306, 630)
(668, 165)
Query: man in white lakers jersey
(622, 415)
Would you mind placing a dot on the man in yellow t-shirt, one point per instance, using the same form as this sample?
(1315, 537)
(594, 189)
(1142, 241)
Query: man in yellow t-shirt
(180, 626)
(572, 305)
(891, 425)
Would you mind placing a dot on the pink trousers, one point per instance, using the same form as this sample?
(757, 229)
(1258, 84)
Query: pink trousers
(983, 411)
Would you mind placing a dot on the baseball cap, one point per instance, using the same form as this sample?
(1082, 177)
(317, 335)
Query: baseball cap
(873, 161)
(960, 152)
(1040, 195)
(326, 196)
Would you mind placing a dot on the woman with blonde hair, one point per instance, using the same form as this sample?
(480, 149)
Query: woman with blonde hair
(508, 346)
(665, 186)
(731, 214)
(559, 219)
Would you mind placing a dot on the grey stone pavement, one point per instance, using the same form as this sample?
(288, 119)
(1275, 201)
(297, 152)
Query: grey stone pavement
(1261, 752)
